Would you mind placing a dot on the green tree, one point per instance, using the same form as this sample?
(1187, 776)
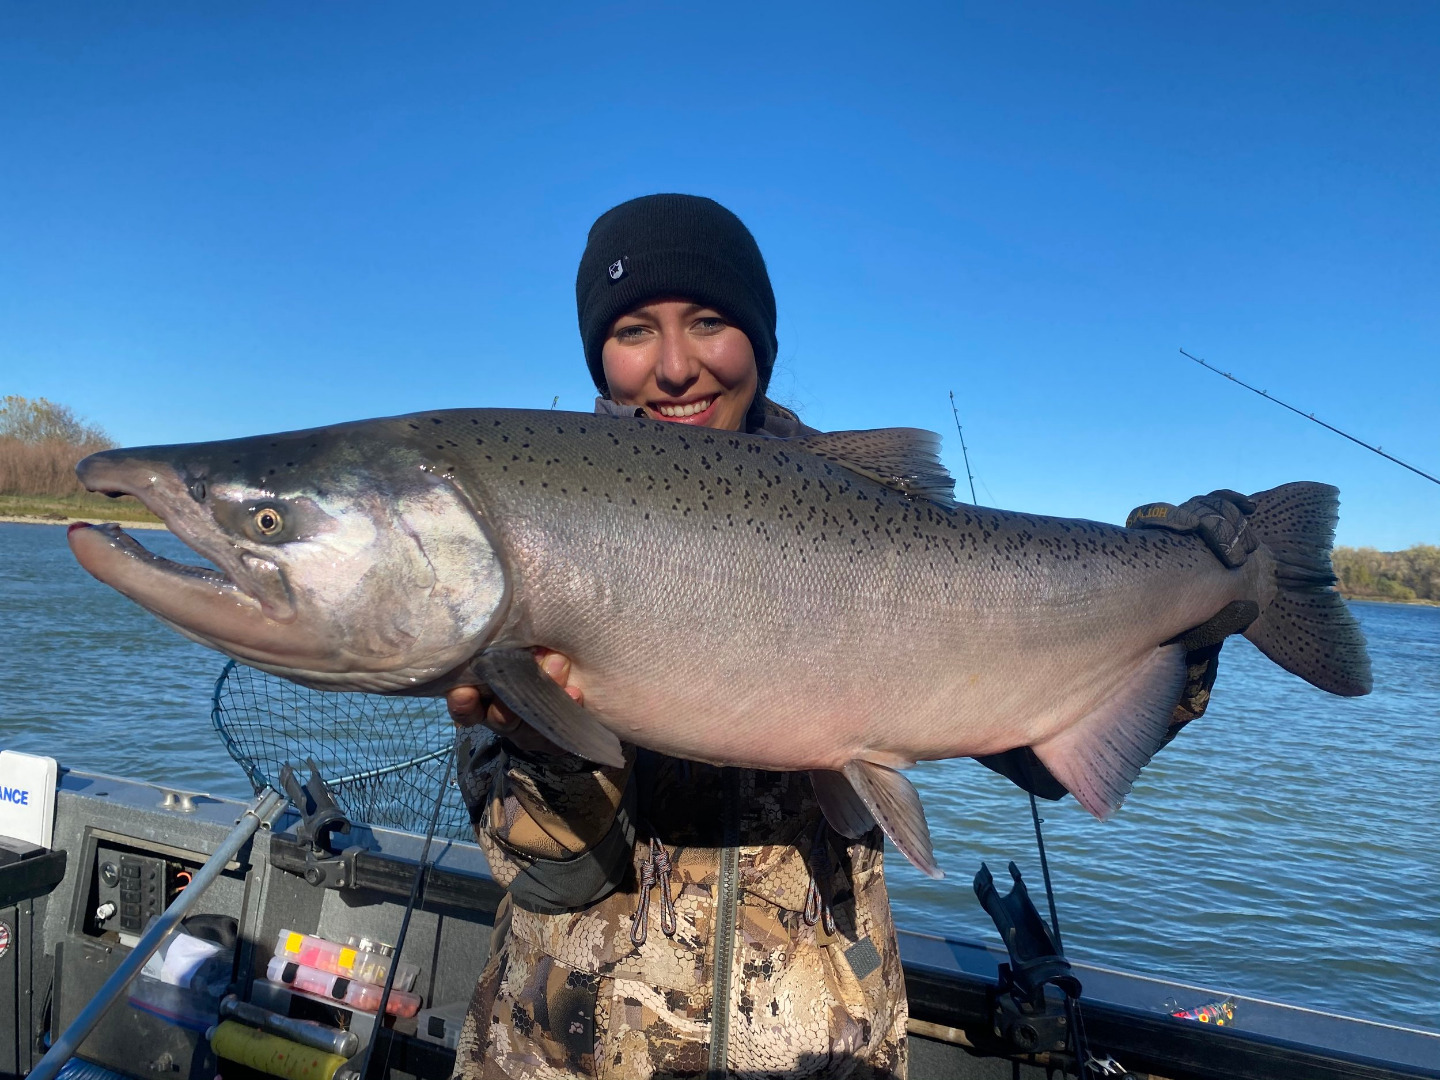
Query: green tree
(43, 420)
(1412, 574)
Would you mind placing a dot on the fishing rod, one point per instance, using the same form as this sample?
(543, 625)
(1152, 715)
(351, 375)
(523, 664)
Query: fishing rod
(1308, 416)
(1075, 1033)
(964, 450)
(416, 883)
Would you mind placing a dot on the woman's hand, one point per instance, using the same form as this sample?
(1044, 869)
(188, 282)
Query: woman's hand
(470, 705)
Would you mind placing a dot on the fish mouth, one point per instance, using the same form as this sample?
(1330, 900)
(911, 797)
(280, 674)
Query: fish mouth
(244, 607)
(203, 604)
(123, 544)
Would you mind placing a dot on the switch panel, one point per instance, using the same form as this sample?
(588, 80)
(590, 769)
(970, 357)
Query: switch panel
(131, 889)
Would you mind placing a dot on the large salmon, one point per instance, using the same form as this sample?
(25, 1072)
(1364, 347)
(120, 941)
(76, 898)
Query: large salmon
(817, 603)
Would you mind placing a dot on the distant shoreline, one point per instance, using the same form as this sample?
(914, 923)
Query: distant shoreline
(68, 509)
(23, 519)
(1392, 600)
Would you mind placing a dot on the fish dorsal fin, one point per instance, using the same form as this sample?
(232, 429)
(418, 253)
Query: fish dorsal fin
(904, 459)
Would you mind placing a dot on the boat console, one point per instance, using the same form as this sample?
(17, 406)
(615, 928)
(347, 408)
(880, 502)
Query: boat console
(72, 910)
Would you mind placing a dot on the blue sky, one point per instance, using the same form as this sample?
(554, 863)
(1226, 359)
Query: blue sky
(225, 219)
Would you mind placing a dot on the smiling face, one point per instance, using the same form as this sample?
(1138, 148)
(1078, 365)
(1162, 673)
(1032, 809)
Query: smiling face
(682, 363)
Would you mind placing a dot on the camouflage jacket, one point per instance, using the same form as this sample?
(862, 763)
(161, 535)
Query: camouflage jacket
(726, 885)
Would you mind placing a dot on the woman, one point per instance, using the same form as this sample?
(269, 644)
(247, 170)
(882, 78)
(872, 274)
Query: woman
(669, 918)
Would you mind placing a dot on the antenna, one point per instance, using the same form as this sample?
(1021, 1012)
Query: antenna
(964, 450)
(1308, 416)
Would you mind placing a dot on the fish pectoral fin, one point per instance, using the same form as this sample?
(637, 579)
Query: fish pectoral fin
(842, 807)
(1098, 757)
(893, 802)
(543, 704)
(904, 459)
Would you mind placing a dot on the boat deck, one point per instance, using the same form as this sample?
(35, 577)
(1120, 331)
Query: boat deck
(60, 954)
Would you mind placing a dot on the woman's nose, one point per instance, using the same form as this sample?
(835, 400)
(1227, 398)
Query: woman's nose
(677, 367)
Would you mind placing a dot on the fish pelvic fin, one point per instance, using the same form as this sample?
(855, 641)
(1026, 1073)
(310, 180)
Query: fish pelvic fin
(893, 802)
(906, 460)
(1098, 757)
(542, 703)
(1307, 629)
(842, 806)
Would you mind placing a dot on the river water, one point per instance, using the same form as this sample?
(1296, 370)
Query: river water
(1286, 845)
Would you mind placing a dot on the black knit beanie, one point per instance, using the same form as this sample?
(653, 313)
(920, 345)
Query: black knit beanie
(674, 245)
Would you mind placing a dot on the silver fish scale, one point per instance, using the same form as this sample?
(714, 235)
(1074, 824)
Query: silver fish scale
(738, 599)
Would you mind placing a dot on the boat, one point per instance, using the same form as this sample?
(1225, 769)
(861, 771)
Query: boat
(67, 925)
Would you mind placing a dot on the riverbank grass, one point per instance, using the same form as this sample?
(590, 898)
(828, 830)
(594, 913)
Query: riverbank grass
(87, 507)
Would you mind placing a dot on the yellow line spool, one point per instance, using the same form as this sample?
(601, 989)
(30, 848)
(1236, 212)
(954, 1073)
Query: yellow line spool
(272, 1054)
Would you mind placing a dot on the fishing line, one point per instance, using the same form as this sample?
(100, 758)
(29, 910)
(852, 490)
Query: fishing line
(404, 929)
(1072, 1006)
(964, 450)
(1308, 416)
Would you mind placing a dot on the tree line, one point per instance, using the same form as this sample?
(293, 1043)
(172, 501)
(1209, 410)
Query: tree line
(1412, 574)
(41, 442)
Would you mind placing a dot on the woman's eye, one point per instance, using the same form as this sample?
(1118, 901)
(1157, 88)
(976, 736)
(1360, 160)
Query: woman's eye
(629, 333)
(712, 324)
(268, 521)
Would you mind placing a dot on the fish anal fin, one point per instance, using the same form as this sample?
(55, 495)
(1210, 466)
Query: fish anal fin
(842, 807)
(903, 459)
(895, 804)
(543, 704)
(1098, 757)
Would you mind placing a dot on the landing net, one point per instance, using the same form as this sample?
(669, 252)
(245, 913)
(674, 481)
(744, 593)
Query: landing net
(382, 757)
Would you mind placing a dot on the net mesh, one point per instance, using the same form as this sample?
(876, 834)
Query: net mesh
(382, 757)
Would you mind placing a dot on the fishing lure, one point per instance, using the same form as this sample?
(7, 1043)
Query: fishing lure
(1218, 1013)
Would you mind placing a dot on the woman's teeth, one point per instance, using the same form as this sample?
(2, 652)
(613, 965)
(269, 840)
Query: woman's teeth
(678, 411)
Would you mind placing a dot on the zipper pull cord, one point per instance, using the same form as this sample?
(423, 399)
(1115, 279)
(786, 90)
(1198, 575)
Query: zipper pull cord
(654, 871)
(660, 859)
(817, 908)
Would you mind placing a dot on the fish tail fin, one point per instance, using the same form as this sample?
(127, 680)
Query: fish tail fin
(1307, 629)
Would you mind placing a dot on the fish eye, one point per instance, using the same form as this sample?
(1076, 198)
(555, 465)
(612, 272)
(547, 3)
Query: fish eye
(268, 521)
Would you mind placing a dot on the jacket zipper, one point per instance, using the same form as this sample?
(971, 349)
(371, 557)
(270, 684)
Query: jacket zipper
(727, 908)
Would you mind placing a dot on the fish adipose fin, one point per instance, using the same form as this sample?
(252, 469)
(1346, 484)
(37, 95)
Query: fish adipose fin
(1098, 757)
(895, 804)
(842, 807)
(1307, 629)
(543, 704)
(904, 459)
